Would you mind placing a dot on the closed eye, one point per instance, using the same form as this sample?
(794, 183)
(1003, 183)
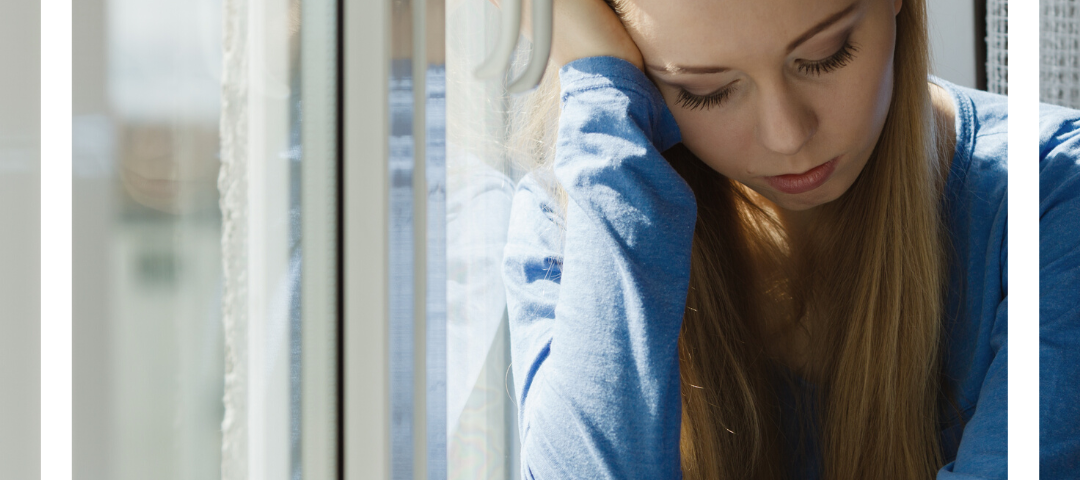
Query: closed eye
(837, 60)
(693, 102)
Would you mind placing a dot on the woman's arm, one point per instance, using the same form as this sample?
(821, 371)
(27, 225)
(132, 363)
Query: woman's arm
(595, 317)
(983, 451)
(1059, 292)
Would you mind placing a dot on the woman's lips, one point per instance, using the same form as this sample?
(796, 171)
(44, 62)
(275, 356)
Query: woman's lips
(803, 182)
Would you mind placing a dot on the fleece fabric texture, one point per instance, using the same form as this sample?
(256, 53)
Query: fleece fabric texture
(596, 294)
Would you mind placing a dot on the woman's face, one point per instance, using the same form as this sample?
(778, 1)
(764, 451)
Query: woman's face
(785, 96)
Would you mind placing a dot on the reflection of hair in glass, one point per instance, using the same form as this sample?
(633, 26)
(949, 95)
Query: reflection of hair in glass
(872, 281)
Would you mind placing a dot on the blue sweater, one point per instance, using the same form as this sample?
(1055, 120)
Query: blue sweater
(1059, 301)
(596, 294)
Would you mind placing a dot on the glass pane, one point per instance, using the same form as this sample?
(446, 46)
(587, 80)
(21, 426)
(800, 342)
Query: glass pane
(481, 415)
(401, 244)
(186, 318)
(148, 354)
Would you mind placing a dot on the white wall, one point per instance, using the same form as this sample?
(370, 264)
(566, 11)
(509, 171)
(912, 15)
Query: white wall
(952, 40)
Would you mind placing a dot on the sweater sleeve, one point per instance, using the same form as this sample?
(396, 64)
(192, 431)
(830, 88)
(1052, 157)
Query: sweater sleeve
(977, 333)
(596, 296)
(1059, 304)
(983, 452)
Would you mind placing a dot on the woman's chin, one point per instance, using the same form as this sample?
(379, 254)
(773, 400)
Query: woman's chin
(803, 204)
(800, 202)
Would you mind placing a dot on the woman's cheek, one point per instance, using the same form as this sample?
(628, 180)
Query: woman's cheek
(873, 102)
(877, 80)
(717, 147)
(719, 139)
(692, 127)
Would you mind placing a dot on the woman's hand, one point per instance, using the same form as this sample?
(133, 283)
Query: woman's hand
(584, 28)
(589, 28)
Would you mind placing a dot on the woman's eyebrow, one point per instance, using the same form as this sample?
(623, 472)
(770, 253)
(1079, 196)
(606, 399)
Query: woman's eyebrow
(821, 26)
(677, 69)
(816, 29)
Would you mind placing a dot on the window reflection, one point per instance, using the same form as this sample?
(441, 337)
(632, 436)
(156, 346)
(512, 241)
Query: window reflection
(480, 179)
(148, 344)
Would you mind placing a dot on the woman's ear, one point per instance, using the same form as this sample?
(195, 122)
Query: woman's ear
(896, 6)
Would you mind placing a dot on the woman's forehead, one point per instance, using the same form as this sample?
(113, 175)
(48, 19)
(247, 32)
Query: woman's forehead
(665, 27)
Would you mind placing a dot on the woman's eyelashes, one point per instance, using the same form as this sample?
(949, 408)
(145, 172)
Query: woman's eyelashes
(833, 62)
(690, 101)
(841, 58)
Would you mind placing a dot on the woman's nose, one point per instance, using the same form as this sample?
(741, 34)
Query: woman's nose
(785, 124)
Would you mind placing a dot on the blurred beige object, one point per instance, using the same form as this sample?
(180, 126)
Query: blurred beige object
(172, 169)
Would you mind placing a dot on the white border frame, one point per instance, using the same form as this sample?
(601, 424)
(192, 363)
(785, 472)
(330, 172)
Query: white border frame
(1023, 263)
(56, 240)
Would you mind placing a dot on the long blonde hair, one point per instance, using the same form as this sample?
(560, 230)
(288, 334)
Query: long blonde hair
(867, 289)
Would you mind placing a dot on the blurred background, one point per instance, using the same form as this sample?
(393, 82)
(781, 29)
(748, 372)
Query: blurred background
(20, 127)
(147, 277)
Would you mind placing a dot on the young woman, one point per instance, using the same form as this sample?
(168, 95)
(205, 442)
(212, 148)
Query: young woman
(760, 245)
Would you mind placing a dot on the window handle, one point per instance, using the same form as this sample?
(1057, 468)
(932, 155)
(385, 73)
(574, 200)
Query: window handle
(499, 61)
